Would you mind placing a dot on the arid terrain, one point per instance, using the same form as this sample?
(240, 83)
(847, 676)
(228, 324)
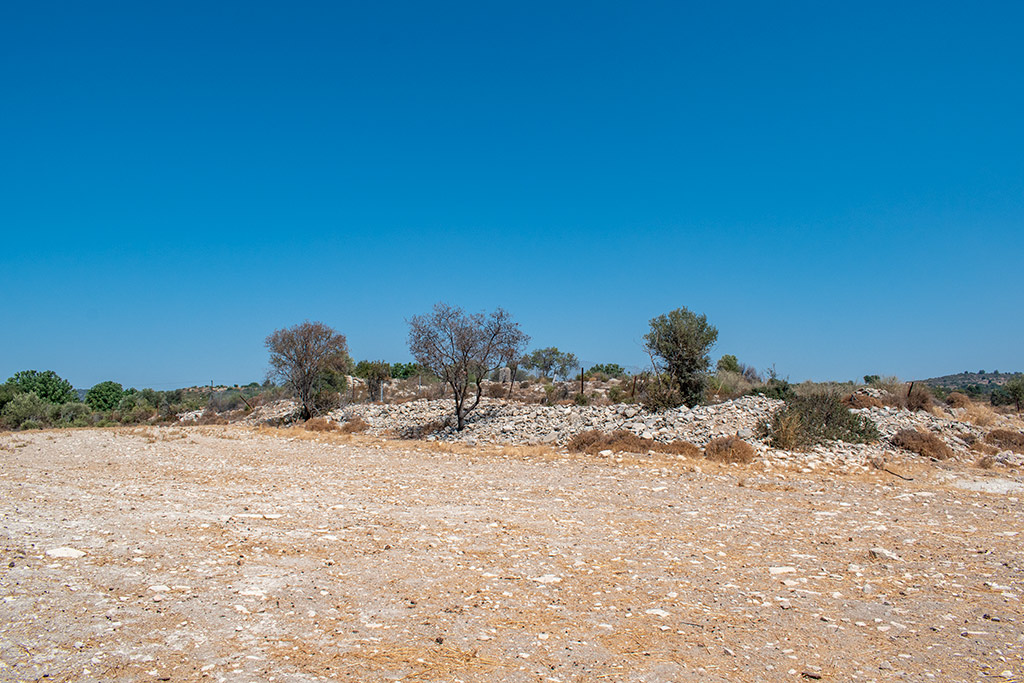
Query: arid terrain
(238, 553)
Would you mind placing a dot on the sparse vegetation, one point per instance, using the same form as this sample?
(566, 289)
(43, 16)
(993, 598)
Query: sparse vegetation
(806, 421)
(928, 445)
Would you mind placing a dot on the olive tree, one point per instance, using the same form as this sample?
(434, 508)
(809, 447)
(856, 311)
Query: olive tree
(679, 344)
(462, 349)
(308, 358)
(551, 362)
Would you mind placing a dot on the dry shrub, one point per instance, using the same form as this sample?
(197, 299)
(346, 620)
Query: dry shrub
(319, 424)
(210, 417)
(986, 462)
(495, 390)
(979, 414)
(729, 449)
(928, 445)
(958, 400)
(859, 400)
(1006, 439)
(622, 441)
(911, 396)
(355, 424)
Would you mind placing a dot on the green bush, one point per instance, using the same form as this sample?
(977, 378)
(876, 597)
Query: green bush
(581, 400)
(47, 386)
(27, 407)
(104, 396)
(810, 420)
(74, 415)
(778, 389)
(607, 369)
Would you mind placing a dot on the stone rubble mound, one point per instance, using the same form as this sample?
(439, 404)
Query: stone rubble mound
(496, 421)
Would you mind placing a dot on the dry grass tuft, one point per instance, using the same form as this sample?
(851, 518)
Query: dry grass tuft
(986, 462)
(594, 442)
(928, 445)
(980, 415)
(729, 449)
(958, 400)
(354, 425)
(1004, 438)
(319, 424)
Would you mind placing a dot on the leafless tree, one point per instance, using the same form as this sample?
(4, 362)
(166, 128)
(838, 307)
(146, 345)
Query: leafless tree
(463, 349)
(308, 358)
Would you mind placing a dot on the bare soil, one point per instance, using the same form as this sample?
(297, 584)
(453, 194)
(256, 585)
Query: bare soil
(232, 554)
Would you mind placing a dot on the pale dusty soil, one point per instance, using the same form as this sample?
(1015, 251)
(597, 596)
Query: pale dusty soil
(224, 554)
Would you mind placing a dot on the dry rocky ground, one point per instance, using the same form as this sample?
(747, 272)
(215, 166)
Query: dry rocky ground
(242, 553)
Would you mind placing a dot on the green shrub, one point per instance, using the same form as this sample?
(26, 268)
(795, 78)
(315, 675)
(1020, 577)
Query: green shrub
(581, 400)
(778, 389)
(729, 363)
(74, 415)
(47, 386)
(616, 394)
(7, 393)
(607, 369)
(31, 424)
(104, 396)
(24, 408)
(810, 420)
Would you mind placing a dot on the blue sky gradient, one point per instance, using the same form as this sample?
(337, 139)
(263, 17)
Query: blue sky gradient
(838, 187)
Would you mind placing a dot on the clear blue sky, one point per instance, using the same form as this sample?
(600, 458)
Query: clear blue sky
(838, 186)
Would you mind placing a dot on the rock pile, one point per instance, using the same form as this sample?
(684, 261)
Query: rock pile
(496, 421)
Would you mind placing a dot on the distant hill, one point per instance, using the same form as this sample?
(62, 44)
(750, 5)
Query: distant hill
(984, 381)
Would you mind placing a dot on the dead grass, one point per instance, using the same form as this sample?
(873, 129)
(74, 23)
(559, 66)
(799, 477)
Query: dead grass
(622, 441)
(355, 425)
(319, 424)
(858, 400)
(729, 449)
(909, 397)
(986, 462)
(922, 443)
(980, 415)
(1007, 439)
